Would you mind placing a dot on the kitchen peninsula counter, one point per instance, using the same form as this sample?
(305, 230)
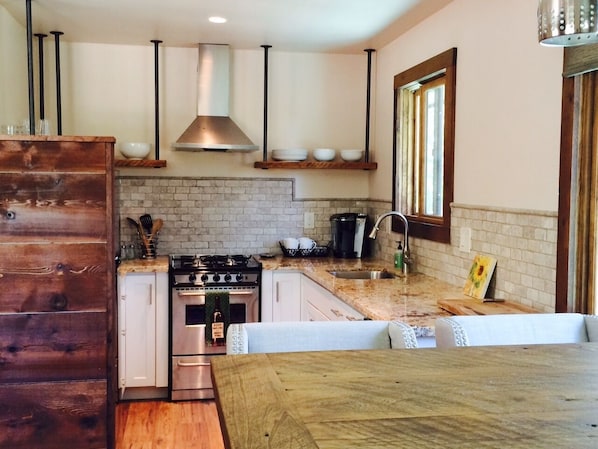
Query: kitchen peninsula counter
(411, 299)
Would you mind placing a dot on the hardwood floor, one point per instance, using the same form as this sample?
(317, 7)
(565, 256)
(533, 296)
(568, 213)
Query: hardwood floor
(168, 425)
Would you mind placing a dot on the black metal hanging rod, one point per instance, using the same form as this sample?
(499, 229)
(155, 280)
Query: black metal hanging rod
(369, 51)
(30, 67)
(57, 35)
(266, 48)
(40, 41)
(156, 42)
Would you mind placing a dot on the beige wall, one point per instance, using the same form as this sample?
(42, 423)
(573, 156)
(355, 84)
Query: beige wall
(508, 103)
(316, 100)
(13, 70)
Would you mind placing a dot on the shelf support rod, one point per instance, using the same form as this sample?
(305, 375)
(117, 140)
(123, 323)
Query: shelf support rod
(265, 145)
(369, 51)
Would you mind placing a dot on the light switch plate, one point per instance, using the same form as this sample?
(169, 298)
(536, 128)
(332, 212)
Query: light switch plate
(308, 220)
(465, 240)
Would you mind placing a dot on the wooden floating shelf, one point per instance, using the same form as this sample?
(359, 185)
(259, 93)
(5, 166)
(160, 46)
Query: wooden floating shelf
(142, 163)
(317, 165)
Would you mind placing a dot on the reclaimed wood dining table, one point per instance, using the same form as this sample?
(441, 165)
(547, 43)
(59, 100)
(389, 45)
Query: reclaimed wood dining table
(536, 396)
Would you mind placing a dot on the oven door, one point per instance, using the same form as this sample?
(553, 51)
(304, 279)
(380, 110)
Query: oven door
(188, 317)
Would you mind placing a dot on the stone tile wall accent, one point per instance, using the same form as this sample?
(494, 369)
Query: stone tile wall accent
(250, 215)
(524, 243)
(225, 215)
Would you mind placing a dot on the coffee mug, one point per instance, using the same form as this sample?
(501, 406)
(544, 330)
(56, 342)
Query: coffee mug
(307, 243)
(290, 243)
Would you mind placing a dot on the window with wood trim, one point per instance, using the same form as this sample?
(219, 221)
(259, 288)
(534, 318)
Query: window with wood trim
(424, 146)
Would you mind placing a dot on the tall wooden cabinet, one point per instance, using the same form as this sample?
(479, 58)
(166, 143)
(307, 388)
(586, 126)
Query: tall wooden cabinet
(57, 292)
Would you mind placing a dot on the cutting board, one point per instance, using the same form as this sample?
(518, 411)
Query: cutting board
(477, 307)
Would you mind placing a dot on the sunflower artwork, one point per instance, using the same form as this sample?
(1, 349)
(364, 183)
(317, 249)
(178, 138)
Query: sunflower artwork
(479, 276)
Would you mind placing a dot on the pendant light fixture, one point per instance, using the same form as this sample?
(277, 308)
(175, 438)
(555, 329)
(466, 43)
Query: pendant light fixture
(567, 23)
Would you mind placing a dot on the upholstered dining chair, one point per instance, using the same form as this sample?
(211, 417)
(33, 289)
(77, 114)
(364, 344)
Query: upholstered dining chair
(515, 329)
(318, 336)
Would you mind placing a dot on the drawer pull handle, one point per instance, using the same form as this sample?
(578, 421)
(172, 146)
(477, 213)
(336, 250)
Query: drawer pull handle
(193, 364)
(11, 215)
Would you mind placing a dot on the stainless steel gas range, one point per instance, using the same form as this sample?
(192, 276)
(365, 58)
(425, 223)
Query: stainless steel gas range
(195, 281)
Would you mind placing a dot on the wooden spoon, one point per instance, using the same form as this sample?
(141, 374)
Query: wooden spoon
(156, 226)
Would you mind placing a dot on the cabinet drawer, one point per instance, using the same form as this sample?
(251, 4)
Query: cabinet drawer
(53, 277)
(44, 347)
(46, 206)
(22, 156)
(54, 415)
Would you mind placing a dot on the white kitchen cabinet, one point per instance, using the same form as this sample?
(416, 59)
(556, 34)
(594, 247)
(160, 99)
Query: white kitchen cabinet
(281, 296)
(143, 332)
(318, 304)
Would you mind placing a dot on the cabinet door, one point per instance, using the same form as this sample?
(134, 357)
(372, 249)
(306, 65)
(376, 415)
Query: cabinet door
(286, 297)
(316, 298)
(137, 358)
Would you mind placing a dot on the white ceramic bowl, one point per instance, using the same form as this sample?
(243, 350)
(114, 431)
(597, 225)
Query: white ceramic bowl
(297, 154)
(351, 155)
(134, 150)
(324, 154)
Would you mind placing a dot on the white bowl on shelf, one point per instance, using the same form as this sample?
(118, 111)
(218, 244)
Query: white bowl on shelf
(324, 154)
(292, 155)
(351, 155)
(134, 150)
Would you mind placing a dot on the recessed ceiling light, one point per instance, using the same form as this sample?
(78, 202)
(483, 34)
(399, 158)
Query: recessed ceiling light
(217, 19)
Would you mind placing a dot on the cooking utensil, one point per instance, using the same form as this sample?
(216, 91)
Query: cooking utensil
(156, 226)
(146, 222)
(135, 224)
(140, 231)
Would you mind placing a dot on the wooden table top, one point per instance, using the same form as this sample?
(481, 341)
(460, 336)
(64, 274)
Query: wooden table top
(543, 396)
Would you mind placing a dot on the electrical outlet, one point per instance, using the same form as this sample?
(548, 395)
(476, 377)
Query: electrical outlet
(465, 240)
(308, 220)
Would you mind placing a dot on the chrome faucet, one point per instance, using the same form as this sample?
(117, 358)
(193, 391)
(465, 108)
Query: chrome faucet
(406, 259)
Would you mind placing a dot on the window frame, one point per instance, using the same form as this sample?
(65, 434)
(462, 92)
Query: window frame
(445, 65)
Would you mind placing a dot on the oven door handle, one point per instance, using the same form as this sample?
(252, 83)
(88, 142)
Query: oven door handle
(179, 363)
(203, 294)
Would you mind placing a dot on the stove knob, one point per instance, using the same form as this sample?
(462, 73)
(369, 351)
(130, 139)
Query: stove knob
(192, 277)
(227, 277)
(216, 278)
(204, 278)
(239, 277)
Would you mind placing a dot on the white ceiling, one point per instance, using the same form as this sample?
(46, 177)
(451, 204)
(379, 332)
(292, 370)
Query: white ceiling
(341, 26)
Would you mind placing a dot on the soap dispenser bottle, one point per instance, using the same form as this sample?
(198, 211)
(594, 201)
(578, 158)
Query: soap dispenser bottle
(399, 256)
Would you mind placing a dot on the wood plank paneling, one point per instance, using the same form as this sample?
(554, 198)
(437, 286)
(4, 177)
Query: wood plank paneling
(42, 347)
(53, 277)
(53, 205)
(21, 156)
(53, 415)
(57, 293)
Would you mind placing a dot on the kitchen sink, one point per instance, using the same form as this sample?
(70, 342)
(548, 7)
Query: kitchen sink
(363, 274)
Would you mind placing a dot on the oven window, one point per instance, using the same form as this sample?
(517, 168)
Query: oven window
(196, 314)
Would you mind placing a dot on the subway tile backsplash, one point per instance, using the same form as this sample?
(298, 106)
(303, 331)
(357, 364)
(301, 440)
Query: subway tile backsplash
(250, 216)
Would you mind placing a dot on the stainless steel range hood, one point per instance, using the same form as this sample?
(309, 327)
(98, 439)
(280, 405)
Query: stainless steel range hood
(213, 129)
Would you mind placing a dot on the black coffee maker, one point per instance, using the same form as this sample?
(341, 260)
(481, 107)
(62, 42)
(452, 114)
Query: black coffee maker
(348, 230)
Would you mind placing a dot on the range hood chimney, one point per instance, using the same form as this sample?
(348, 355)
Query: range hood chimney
(213, 129)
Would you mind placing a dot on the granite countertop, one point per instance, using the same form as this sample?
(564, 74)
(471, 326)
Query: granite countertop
(411, 299)
(157, 265)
